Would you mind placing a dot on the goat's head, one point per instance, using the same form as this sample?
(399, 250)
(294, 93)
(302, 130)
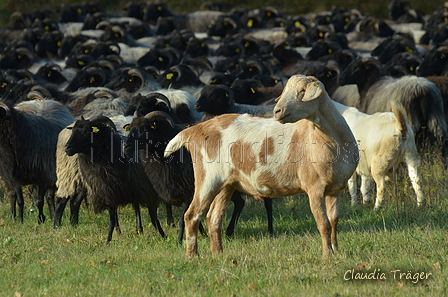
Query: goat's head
(298, 99)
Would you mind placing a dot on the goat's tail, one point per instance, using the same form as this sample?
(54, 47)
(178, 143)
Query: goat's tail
(175, 144)
(401, 121)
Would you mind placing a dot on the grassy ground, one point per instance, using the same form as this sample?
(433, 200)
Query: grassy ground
(401, 243)
(377, 8)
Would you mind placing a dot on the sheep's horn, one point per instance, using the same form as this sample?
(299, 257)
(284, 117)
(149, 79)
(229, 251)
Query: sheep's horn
(137, 72)
(5, 107)
(105, 121)
(38, 92)
(160, 115)
(102, 25)
(103, 94)
(161, 98)
(92, 70)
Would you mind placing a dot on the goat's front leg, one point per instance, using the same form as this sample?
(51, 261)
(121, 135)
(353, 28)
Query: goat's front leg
(380, 181)
(318, 208)
(332, 205)
(414, 175)
(214, 219)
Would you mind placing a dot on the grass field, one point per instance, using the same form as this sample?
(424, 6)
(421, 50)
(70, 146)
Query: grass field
(402, 249)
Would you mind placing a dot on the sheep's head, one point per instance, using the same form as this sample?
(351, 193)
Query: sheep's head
(90, 136)
(151, 132)
(298, 99)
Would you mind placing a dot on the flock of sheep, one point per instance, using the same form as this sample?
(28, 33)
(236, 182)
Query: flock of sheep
(148, 107)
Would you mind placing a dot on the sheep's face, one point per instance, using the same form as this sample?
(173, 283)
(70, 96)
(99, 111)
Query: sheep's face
(90, 136)
(150, 133)
(215, 99)
(299, 99)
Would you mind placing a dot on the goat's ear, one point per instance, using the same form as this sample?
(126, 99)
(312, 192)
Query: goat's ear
(313, 90)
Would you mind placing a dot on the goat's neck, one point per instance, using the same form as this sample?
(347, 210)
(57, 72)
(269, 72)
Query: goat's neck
(330, 122)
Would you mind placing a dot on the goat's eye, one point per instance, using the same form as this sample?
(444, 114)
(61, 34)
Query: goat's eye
(330, 51)
(160, 59)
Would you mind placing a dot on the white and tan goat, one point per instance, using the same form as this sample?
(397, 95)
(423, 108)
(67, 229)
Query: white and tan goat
(306, 148)
(385, 139)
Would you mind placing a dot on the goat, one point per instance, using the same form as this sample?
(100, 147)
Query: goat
(112, 180)
(420, 98)
(385, 140)
(316, 155)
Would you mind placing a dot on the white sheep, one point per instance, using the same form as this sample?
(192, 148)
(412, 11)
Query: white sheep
(306, 148)
(385, 140)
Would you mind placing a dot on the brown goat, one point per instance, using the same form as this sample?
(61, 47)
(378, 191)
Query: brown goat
(307, 148)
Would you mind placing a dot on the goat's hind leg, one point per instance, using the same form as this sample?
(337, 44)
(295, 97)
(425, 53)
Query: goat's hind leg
(198, 207)
(215, 216)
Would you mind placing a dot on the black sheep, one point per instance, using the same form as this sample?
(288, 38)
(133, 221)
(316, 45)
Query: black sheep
(112, 179)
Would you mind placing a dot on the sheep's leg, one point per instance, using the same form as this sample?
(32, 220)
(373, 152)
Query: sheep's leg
(59, 211)
(353, 189)
(138, 219)
(238, 203)
(49, 195)
(268, 206)
(215, 216)
(155, 221)
(75, 205)
(318, 208)
(414, 175)
(169, 215)
(366, 183)
(198, 207)
(13, 200)
(113, 223)
(40, 199)
(332, 203)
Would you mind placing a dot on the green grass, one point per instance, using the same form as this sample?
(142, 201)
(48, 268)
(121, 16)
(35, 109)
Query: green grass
(376, 8)
(36, 260)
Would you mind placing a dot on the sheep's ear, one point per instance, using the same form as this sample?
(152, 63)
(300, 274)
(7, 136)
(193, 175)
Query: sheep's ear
(313, 90)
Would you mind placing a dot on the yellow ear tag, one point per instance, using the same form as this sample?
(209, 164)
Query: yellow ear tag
(316, 85)
(127, 128)
(227, 94)
(408, 49)
(160, 59)
(250, 23)
(81, 63)
(95, 130)
(252, 90)
(159, 8)
(153, 126)
(169, 76)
